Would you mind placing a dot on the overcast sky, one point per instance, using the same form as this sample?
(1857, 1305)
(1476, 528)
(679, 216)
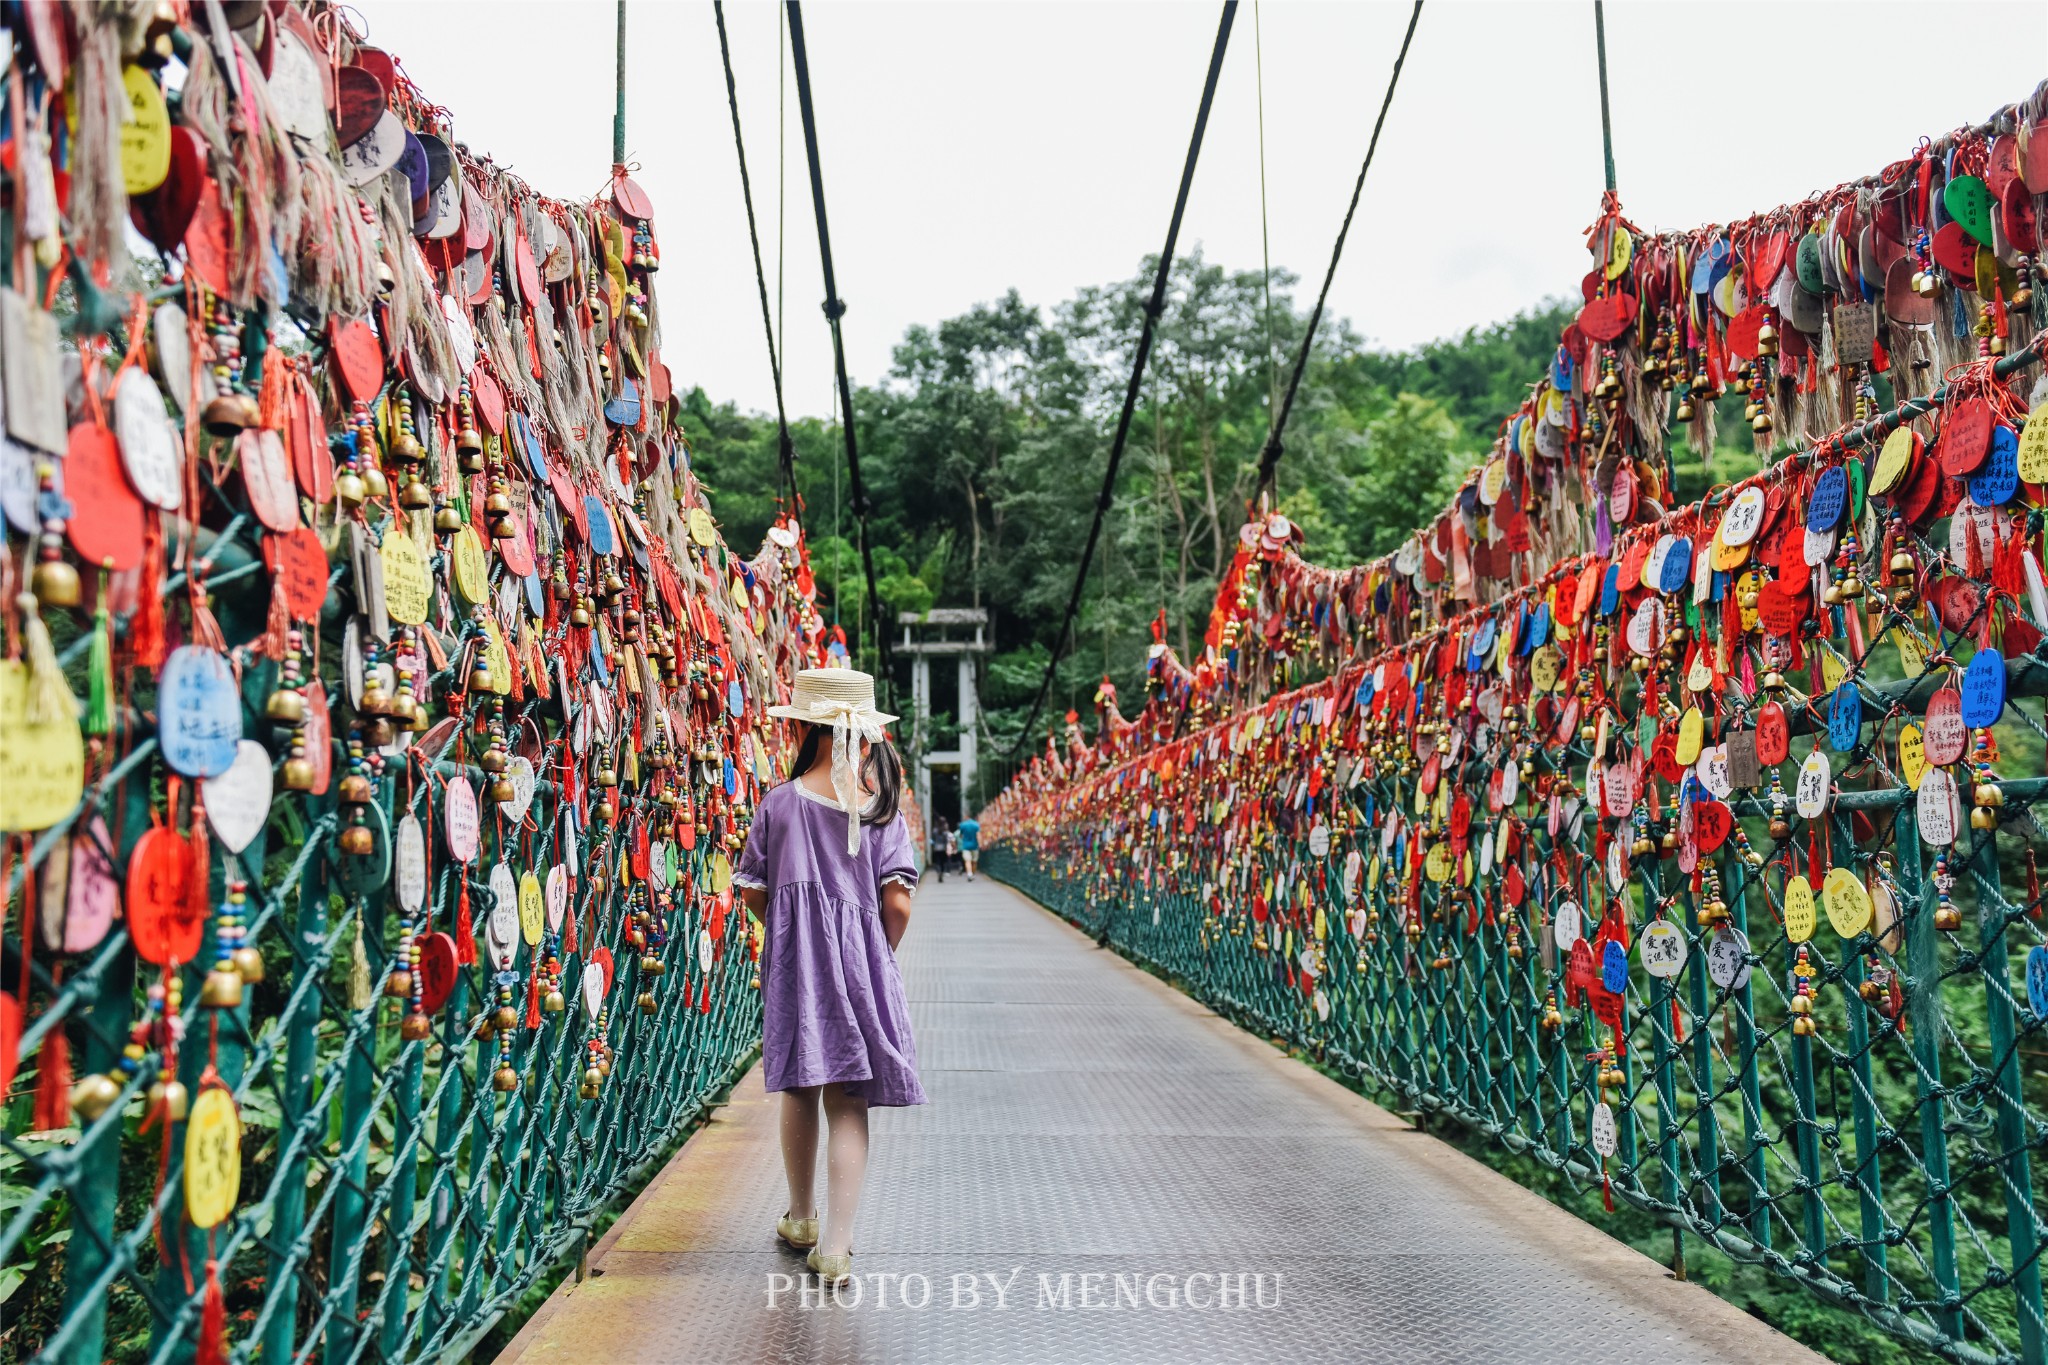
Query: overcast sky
(971, 147)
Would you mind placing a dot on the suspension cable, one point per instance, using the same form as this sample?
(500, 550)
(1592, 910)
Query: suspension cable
(835, 308)
(1265, 233)
(1269, 457)
(1154, 307)
(785, 448)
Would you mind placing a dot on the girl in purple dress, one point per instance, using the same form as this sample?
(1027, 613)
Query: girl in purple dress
(829, 871)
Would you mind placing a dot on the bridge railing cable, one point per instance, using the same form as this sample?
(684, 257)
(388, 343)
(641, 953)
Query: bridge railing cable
(835, 309)
(1155, 306)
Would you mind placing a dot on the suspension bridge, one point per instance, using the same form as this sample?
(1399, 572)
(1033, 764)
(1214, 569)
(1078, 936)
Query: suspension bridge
(1109, 1171)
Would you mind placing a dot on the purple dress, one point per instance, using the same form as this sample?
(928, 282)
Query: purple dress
(832, 1005)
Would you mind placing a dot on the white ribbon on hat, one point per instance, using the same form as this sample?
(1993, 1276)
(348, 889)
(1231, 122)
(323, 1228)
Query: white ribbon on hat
(849, 720)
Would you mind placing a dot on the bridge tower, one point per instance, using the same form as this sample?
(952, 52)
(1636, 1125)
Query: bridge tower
(955, 633)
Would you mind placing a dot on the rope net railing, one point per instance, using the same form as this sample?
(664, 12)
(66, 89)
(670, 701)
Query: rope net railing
(1688, 849)
(368, 929)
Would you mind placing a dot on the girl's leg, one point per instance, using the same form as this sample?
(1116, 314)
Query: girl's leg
(800, 1149)
(846, 1167)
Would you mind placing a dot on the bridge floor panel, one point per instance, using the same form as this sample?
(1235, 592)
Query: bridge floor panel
(1095, 1139)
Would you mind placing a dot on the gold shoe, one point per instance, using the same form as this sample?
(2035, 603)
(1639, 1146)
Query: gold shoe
(833, 1270)
(801, 1233)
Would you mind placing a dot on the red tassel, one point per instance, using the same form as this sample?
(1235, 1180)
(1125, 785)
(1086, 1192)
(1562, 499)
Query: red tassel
(53, 1082)
(704, 1004)
(146, 630)
(1606, 1189)
(465, 931)
(533, 998)
(569, 923)
(213, 1321)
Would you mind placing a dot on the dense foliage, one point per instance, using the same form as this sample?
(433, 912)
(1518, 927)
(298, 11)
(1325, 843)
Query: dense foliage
(983, 450)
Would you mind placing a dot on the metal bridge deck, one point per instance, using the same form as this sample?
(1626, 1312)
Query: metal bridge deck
(1088, 1121)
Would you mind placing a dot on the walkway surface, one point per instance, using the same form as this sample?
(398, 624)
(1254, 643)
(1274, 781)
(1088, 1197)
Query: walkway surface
(1088, 1123)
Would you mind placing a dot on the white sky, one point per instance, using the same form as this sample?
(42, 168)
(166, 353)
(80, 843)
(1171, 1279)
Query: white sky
(968, 147)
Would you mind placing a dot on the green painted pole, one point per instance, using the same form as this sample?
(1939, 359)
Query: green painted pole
(619, 110)
(1923, 1012)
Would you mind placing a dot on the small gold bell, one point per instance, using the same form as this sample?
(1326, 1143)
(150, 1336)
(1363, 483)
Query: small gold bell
(553, 1002)
(415, 495)
(357, 840)
(229, 414)
(447, 521)
(504, 1080)
(646, 1002)
(398, 985)
(415, 1027)
(298, 774)
(356, 789)
(223, 987)
(248, 963)
(375, 483)
(505, 1018)
(171, 1098)
(287, 706)
(350, 489)
(55, 583)
(93, 1095)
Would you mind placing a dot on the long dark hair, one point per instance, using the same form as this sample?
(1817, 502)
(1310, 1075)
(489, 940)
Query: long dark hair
(883, 771)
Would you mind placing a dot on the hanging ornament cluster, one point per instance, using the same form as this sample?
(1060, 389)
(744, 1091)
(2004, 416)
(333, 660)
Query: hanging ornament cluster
(363, 509)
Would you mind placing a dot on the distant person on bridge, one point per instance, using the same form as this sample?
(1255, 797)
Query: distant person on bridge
(829, 869)
(941, 834)
(969, 832)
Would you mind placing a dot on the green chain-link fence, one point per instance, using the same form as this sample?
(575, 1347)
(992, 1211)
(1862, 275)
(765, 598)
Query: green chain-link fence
(1886, 1162)
(393, 1204)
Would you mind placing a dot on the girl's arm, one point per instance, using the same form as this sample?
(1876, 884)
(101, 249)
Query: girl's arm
(755, 898)
(895, 912)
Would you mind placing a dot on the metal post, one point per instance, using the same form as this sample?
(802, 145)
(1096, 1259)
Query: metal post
(1599, 40)
(619, 111)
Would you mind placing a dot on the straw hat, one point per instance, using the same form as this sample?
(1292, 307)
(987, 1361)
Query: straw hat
(834, 696)
(843, 698)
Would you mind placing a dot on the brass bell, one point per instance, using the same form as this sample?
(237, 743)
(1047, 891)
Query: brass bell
(502, 790)
(223, 987)
(356, 789)
(406, 449)
(504, 1080)
(349, 488)
(357, 840)
(505, 1019)
(1926, 285)
(1948, 919)
(379, 732)
(229, 414)
(93, 1095)
(468, 440)
(553, 1002)
(1684, 413)
(447, 521)
(398, 985)
(471, 461)
(287, 706)
(248, 963)
(375, 483)
(647, 1003)
(169, 1097)
(493, 760)
(650, 965)
(497, 505)
(480, 676)
(55, 582)
(415, 1028)
(415, 495)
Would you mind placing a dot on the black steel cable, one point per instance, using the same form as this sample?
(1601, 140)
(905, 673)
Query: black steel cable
(1153, 308)
(835, 308)
(785, 448)
(1269, 456)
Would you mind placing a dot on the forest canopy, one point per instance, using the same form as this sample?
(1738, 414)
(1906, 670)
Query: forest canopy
(983, 448)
